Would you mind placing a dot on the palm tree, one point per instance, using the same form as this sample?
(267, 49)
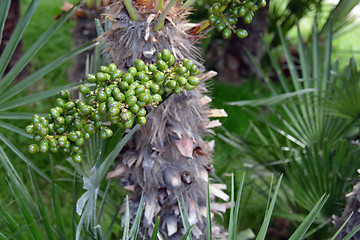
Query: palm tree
(168, 158)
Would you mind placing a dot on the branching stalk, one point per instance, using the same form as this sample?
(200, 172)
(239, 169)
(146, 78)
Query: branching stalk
(134, 15)
(160, 23)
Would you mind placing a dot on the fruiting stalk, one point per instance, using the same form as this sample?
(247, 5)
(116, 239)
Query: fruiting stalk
(134, 15)
(160, 23)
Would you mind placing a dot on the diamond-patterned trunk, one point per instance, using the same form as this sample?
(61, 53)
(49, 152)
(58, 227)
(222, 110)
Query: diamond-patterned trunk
(168, 157)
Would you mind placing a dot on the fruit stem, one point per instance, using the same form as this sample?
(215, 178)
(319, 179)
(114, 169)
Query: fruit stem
(160, 22)
(134, 15)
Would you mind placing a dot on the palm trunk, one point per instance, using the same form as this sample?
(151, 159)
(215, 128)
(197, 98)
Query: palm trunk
(168, 157)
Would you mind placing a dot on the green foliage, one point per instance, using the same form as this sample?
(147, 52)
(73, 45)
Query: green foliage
(313, 116)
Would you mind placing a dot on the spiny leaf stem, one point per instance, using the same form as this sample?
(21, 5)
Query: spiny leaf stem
(134, 15)
(160, 23)
(160, 6)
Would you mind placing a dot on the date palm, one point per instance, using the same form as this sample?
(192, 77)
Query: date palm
(168, 158)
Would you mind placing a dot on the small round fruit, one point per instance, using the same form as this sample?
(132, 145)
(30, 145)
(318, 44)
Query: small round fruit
(140, 103)
(241, 33)
(242, 11)
(123, 86)
(131, 101)
(54, 149)
(101, 77)
(60, 120)
(144, 97)
(226, 33)
(119, 97)
(216, 7)
(165, 55)
(129, 93)
(154, 88)
(128, 77)
(232, 20)
(171, 61)
(78, 124)
(181, 70)
(44, 146)
(181, 81)
(139, 89)
(80, 141)
(69, 120)
(141, 120)
(73, 136)
(86, 110)
(221, 26)
(139, 65)
(76, 158)
(60, 130)
(132, 71)
(62, 141)
(152, 68)
(112, 67)
(114, 111)
(161, 65)
(43, 131)
(141, 112)
(101, 96)
(189, 87)
(213, 18)
(171, 84)
(53, 142)
(126, 115)
(156, 98)
(134, 109)
(140, 76)
(248, 18)
(91, 78)
(129, 124)
(177, 90)
(89, 128)
(105, 69)
(193, 81)
(69, 105)
(187, 63)
(108, 133)
(33, 148)
(116, 74)
(54, 113)
(84, 89)
(60, 102)
(159, 77)
(37, 138)
(30, 129)
(103, 108)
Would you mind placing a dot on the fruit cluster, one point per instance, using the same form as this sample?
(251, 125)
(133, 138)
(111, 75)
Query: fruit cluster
(111, 96)
(224, 15)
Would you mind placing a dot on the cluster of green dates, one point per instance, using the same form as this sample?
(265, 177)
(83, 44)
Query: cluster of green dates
(111, 96)
(224, 15)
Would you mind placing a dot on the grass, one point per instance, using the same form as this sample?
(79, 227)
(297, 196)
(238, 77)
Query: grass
(59, 44)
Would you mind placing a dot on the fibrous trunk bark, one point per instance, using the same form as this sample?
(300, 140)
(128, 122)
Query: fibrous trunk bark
(167, 158)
